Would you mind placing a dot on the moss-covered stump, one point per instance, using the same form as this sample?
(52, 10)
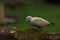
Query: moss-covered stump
(12, 30)
(35, 34)
(30, 34)
(50, 36)
(8, 33)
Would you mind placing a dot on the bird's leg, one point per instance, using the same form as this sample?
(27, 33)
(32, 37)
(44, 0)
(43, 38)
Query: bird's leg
(38, 27)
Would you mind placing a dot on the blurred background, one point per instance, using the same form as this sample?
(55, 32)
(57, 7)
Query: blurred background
(47, 9)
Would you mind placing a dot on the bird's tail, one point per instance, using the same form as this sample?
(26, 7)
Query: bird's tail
(52, 23)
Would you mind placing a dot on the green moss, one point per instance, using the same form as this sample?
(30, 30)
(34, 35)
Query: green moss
(30, 34)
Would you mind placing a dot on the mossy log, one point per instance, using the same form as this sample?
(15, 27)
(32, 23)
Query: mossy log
(31, 34)
(36, 34)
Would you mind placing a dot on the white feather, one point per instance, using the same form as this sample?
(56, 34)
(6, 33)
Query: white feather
(38, 21)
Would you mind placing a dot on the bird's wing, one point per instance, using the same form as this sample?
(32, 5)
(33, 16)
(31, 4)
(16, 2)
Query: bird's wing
(36, 22)
(40, 22)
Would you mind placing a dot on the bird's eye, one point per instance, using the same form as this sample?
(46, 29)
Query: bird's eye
(27, 18)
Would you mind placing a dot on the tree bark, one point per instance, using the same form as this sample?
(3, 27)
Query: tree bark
(2, 15)
(3, 19)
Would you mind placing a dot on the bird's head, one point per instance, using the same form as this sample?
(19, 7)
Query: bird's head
(28, 18)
